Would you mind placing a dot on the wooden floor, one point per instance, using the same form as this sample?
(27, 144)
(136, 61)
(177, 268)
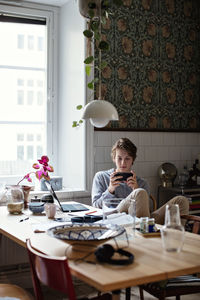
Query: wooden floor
(134, 296)
(24, 279)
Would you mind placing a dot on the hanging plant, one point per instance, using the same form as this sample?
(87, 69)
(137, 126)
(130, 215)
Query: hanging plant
(96, 12)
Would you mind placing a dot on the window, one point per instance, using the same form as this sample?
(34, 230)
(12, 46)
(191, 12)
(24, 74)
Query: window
(21, 71)
(46, 83)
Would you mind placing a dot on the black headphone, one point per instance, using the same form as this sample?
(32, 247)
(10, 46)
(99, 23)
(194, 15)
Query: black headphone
(105, 252)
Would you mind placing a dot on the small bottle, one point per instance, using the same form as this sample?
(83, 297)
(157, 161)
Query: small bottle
(151, 223)
(144, 227)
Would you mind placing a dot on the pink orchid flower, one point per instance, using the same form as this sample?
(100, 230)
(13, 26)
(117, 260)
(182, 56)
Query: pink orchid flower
(42, 170)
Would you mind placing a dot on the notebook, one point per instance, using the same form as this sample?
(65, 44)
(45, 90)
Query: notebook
(65, 207)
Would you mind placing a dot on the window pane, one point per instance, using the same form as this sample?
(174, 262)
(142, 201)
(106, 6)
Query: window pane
(20, 152)
(30, 97)
(20, 41)
(20, 97)
(30, 42)
(30, 152)
(39, 151)
(20, 82)
(22, 75)
(40, 43)
(20, 137)
(40, 98)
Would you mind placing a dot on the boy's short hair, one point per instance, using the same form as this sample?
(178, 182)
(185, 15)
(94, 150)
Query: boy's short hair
(124, 144)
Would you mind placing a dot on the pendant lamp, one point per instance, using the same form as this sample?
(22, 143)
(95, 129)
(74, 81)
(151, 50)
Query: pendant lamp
(100, 112)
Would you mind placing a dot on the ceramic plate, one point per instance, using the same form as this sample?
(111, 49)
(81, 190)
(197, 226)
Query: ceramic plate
(81, 233)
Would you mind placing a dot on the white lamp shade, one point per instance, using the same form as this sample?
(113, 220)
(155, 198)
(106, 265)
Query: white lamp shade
(100, 112)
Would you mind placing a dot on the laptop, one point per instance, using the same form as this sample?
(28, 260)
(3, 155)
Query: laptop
(65, 207)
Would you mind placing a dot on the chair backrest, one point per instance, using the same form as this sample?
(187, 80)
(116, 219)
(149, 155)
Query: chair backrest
(195, 220)
(52, 271)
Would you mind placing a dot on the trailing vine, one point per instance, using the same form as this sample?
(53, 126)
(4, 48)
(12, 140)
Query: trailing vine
(95, 19)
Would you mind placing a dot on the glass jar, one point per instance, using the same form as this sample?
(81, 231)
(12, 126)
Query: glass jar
(172, 232)
(144, 227)
(14, 199)
(151, 223)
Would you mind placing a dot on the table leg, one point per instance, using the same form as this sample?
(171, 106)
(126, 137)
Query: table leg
(128, 293)
(116, 295)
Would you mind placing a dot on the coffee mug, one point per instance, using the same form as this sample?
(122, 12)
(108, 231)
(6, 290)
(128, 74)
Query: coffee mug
(50, 209)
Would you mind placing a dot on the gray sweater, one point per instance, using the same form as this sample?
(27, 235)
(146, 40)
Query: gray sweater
(100, 188)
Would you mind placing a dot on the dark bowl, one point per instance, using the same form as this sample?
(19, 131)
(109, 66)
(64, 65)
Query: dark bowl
(36, 207)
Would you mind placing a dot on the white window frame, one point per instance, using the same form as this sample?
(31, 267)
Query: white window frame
(51, 15)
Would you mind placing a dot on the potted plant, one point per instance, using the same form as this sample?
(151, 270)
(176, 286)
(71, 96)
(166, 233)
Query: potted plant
(96, 13)
(42, 168)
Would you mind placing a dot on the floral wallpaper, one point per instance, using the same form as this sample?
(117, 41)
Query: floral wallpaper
(152, 75)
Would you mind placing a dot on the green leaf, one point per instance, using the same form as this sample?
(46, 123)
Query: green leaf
(94, 25)
(96, 80)
(88, 70)
(89, 60)
(91, 13)
(79, 107)
(103, 45)
(105, 4)
(75, 124)
(103, 64)
(88, 33)
(97, 36)
(81, 121)
(103, 20)
(90, 85)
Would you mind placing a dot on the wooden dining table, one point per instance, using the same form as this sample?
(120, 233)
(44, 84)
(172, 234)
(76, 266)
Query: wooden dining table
(151, 261)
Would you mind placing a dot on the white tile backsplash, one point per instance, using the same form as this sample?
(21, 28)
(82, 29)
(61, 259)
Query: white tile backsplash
(157, 139)
(99, 155)
(182, 138)
(145, 138)
(154, 148)
(174, 153)
(163, 153)
(169, 138)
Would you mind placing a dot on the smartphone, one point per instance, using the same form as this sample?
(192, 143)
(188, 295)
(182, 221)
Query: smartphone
(124, 175)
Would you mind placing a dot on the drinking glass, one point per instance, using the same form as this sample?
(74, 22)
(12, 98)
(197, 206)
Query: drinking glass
(109, 207)
(172, 232)
(132, 213)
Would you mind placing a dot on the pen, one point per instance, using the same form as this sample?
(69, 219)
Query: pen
(91, 212)
(24, 219)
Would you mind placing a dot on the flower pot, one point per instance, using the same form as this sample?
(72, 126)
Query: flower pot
(26, 190)
(83, 7)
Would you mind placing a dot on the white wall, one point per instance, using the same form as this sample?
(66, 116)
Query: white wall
(154, 148)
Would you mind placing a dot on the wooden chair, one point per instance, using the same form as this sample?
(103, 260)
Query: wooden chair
(53, 272)
(11, 290)
(182, 285)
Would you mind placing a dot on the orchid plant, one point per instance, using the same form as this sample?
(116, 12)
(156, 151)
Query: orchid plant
(42, 170)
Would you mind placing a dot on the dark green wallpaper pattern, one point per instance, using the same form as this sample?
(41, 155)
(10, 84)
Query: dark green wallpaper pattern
(152, 76)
